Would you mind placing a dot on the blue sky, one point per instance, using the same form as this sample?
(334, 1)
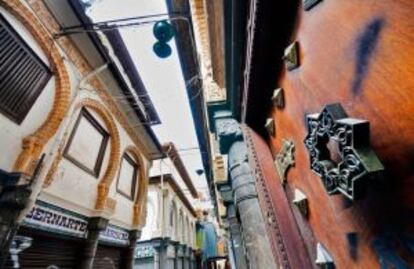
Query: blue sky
(162, 78)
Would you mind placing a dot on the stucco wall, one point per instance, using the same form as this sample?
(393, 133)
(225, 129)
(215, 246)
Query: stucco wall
(75, 189)
(160, 226)
(72, 188)
(11, 134)
(151, 227)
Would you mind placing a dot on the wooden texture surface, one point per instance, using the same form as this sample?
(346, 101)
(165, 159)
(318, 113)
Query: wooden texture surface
(287, 244)
(360, 54)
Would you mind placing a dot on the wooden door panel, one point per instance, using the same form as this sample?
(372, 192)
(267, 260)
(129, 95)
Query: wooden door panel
(359, 54)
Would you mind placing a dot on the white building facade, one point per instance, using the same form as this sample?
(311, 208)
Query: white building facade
(169, 237)
(76, 149)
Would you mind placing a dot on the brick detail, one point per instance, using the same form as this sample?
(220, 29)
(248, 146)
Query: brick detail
(142, 186)
(33, 144)
(41, 24)
(114, 155)
(84, 68)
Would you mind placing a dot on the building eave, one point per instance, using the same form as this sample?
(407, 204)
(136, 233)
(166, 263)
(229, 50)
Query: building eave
(169, 179)
(171, 151)
(191, 69)
(79, 12)
(269, 32)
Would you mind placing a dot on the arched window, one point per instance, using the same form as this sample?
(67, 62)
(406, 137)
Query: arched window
(128, 176)
(87, 143)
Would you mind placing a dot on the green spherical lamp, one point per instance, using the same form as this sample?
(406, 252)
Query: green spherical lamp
(163, 31)
(162, 50)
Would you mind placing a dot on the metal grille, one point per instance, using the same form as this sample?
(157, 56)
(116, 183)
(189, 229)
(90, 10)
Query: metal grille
(23, 75)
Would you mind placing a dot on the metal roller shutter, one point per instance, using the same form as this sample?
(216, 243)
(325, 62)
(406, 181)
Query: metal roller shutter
(107, 258)
(47, 251)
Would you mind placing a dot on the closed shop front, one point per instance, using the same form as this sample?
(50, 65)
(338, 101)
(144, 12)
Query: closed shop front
(107, 257)
(47, 251)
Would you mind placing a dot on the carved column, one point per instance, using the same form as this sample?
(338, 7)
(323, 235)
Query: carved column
(95, 226)
(236, 240)
(254, 235)
(245, 198)
(128, 259)
(236, 244)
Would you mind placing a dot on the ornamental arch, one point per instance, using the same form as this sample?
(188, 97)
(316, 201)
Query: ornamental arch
(114, 155)
(142, 184)
(33, 144)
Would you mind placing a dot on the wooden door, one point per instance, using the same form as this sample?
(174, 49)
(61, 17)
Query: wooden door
(359, 54)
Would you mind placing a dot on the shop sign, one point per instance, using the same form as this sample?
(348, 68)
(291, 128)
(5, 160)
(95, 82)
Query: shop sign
(50, 219)
(115, 235)
(144, 252)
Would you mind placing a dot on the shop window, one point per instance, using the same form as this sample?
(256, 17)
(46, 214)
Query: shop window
(87, 144)
(23, 75)
(127, 177)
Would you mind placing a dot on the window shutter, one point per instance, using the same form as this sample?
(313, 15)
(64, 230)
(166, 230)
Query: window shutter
(23, 75)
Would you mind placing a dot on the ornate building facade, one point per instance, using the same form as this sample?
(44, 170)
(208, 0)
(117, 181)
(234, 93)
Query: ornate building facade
(74, 181)
(307, 130)
(169, 237)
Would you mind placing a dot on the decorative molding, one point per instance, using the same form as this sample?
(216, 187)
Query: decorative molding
(34, 143)
(142, 185)
(301, 202)
(95, 170)
(228, 131)
(219, 169)
(250, 42)
(285, 159)
(270, 126)
(291, 56)
(110, 205)
(82, 65)
(272, 224)
(213, 91)
(114, 157)
(134, 179)
(278, 99)
(357, 163)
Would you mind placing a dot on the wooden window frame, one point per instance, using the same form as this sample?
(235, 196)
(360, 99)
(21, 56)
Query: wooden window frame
(37, 88)
(84, 113)
(131, 161)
